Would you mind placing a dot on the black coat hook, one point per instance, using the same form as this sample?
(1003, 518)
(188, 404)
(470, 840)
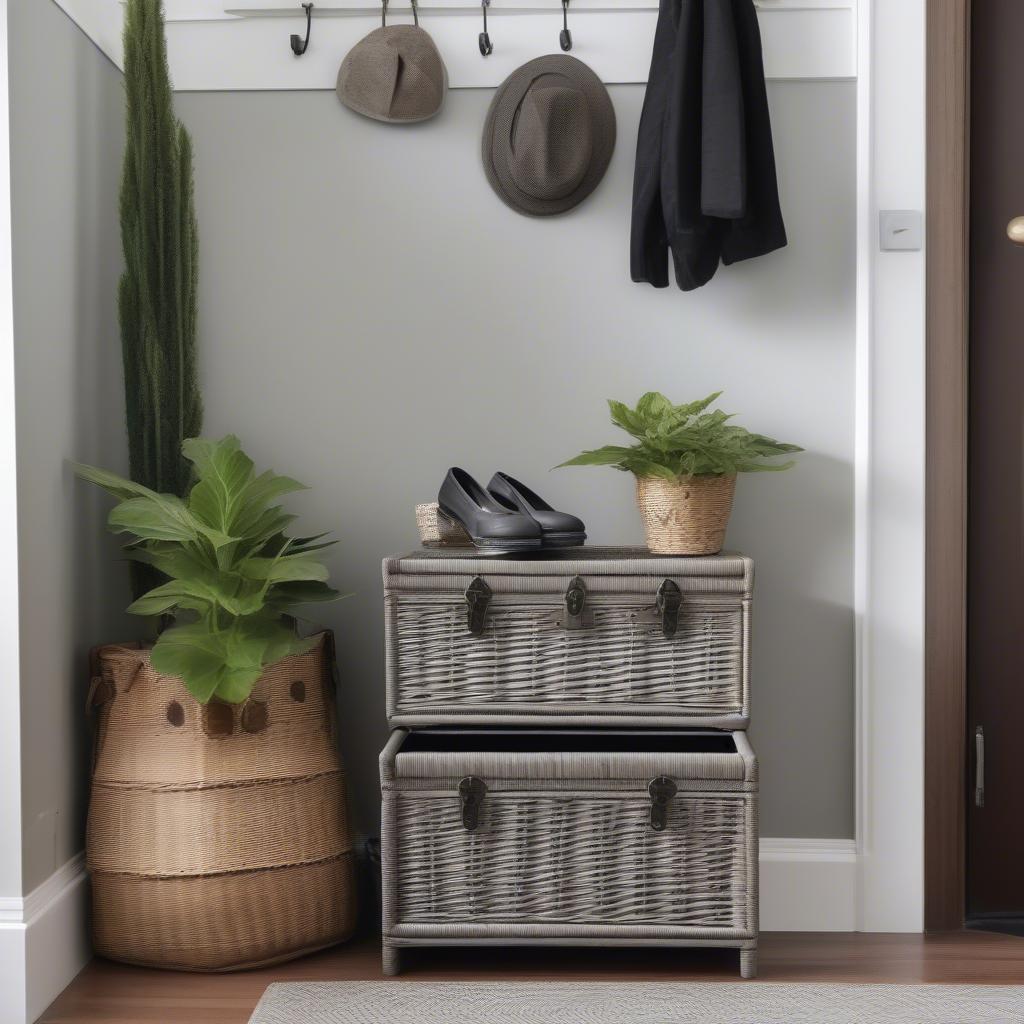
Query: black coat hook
(486, 46)
(565, 36)
(299, 46)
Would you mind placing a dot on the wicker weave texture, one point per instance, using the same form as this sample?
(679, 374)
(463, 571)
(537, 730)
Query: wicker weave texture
(217, 836)
(437, 530)
(573, 858)
(554, 858)
(526, 662)
(687, 516)
(223, 922)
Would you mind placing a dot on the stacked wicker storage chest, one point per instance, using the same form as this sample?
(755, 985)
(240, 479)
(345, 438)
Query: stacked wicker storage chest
(568, 763)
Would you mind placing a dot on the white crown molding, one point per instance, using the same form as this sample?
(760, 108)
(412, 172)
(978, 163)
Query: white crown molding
(243, 44)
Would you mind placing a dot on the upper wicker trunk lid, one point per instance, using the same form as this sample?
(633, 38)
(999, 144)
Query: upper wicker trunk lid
(444, 569)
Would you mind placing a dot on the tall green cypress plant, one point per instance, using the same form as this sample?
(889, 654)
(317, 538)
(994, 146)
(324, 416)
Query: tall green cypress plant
(157, 297)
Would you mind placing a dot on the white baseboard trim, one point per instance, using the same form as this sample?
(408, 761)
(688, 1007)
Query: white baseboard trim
(808, 885)
(44, 942)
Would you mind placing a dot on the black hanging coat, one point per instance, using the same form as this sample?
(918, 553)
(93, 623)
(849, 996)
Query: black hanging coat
(704, 186)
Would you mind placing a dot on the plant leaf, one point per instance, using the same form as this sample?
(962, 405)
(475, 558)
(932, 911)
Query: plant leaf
(229, 565)
(684, 440)
(154, 517)
(116, 485)
(610, 455)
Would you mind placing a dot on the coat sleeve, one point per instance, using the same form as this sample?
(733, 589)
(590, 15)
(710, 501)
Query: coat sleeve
(648, 247)
(760, 229)
(693, 237)
(723, 158)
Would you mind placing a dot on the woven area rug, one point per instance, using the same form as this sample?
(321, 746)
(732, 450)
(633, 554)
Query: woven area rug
(412, 1002)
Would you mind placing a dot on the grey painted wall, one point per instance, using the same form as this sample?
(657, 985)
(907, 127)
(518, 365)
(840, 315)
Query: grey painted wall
(66, 113)
(371, 314)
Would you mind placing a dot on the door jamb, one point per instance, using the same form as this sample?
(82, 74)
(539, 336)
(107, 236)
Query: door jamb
(947, 297)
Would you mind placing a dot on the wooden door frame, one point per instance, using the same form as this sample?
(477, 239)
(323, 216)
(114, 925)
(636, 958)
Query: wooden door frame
(947, 295)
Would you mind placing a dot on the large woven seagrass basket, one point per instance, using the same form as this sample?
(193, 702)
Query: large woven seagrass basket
(218, 836)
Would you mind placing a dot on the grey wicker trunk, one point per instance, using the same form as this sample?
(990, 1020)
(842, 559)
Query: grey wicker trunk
(568, 764)
(571, 838)
(589, 636)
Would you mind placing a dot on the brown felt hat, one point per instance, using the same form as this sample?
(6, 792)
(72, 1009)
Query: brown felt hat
(394, 74)
(549, 135)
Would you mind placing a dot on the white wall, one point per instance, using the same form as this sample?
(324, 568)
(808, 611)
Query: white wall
(66, 114)
(371, 313)
(66, 108)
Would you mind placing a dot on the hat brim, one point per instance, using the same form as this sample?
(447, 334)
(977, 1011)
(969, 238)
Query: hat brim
(496, 145)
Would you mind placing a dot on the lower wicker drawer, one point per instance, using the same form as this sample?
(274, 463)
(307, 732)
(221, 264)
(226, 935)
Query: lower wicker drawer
(516, 836)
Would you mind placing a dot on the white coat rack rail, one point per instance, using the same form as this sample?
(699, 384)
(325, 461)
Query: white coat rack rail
(244, 44)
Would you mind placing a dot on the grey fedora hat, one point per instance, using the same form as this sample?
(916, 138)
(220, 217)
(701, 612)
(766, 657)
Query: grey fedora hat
(549, 135)
(394, 74)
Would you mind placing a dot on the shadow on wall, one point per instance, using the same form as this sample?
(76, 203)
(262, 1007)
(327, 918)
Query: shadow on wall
(798, 527)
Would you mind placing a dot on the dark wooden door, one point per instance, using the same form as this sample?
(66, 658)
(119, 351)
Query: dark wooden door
(995, 633)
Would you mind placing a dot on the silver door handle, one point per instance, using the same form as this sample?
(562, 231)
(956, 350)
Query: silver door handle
(1015, 231)
(979, 767)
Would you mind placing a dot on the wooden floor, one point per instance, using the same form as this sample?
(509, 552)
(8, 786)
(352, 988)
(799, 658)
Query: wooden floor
(115, 994)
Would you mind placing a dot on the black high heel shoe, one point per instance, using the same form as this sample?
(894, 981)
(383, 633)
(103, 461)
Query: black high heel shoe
(559, 529)
(491, 525)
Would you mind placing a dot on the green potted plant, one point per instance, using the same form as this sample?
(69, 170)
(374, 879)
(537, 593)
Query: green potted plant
(685, 461)
(217, 791)
(233, 577)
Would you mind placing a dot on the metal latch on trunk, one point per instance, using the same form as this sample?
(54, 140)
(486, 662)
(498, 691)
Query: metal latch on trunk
(662, 789)
(576, 614)
(665, 612)
(471, 793)
(478, 597)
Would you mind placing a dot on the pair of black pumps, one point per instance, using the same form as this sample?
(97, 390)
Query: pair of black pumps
(506, 517)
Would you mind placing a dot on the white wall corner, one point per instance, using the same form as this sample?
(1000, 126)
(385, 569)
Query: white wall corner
(808, 885)
(44, 942)
(890, 513)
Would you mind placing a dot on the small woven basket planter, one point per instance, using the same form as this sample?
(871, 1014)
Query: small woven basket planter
(687, 516)
(218, 835)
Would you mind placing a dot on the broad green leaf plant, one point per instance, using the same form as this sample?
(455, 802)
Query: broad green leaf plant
(234, 577)
(684, 440)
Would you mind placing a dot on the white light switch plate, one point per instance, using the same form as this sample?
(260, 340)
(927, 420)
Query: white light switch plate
(901, 230)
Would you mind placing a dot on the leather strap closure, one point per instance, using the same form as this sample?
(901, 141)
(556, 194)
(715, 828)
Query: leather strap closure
(576, 614)
(670, 599)
(471, 792)
(478, 597)
(662, 789)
